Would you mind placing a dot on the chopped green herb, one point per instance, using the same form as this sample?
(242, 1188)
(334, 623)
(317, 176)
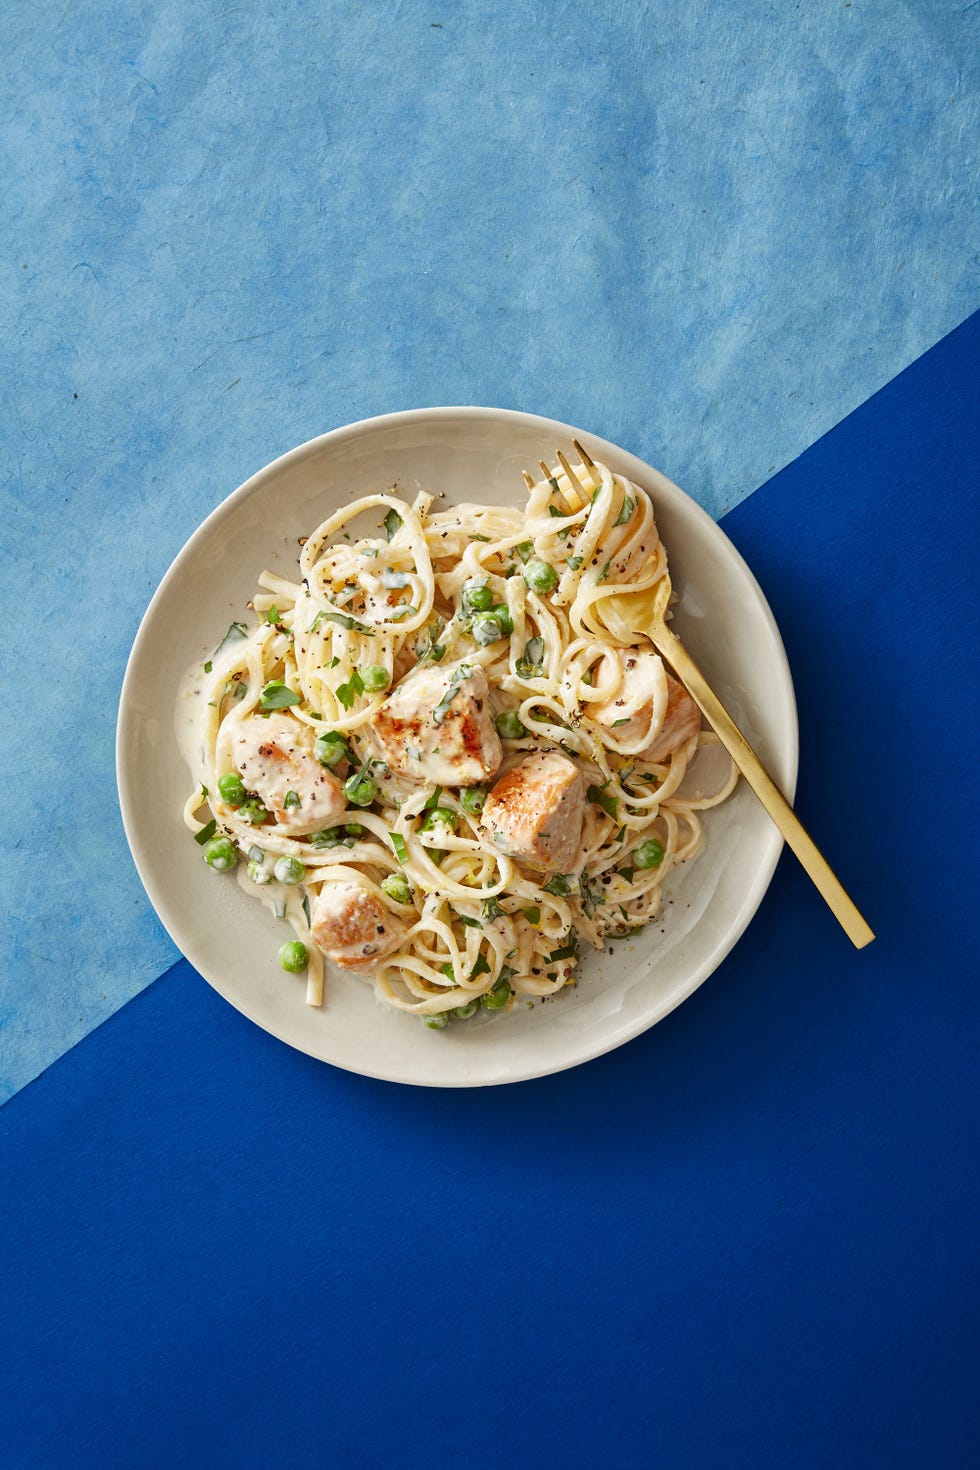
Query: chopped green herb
(398, 844)
(568, 953)
(604, 573)
(353, 625)
(348, 692)
(532, 913)
(525, 550)
(208, 667)
(559, 886)
(392, 524)
(470, 923)
(433, 800)
(236, 632)
(474, 537)
(306, 908)
(291, 801)
(629, 506)
(276, 695)
(491, 909)
(403, 610)
(272, 616)
(626, 873)
(531, 663)
(626, 933)
(616, 723)
(574, 562)
(609, 804)
(334, 661)
(392, 579)
(449, 972)
(480, 968)
(456, 678)
(206, 833)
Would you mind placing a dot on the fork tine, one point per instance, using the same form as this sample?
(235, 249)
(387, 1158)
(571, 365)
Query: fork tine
(528, 479)
(573, 478)
(587, 460)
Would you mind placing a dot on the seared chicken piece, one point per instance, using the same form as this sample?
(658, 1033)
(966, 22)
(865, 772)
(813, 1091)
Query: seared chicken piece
(437, 727)
(640, 703)
(275, 759)
(649, 700)
(682, 720)
(352, 927)
(534, 813)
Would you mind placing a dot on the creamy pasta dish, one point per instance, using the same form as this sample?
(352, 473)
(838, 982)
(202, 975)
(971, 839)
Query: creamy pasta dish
(442, 755)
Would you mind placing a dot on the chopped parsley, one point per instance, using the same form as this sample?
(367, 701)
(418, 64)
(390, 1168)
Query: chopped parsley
(609, 804)
(392, 524)
(626, 514)
(398, 844)
(206, 833)
(353, 625)
(531, 663)
(236, 632)
(276, 695)
(491, 909)
(532, 913)
(456, 678)
(559, 886)
(291, 801)
(348, 692)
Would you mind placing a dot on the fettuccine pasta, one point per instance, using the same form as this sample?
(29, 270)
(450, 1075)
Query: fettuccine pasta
(442, 755)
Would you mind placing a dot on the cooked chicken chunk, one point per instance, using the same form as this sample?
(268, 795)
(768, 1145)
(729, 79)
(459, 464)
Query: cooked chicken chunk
(352, 926)
(640, 703)
(275, 759)
(437, 726)
(649, 700)
(682, 720)
(534, 813)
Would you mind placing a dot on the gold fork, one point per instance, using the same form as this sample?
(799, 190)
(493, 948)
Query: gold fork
(646, 612)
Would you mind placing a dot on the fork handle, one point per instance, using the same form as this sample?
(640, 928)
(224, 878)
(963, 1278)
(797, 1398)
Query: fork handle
(828, 884)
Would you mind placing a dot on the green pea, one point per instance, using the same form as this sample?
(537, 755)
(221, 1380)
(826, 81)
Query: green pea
(396, 886)
(477, 597)
(253, 811)
(501, 612)
(497, 998)
(465, 1012)
(649, 854)
(438, 1022)
(360, 790)
(472, 799)
(509, 725)
(331, 748)
(539, 576)
(440, 816)
(486, 630)
(294, 956)
(259, 873)
(289, 870)
(353, 829)
(375, 678)
(220, 854)
(232, 788)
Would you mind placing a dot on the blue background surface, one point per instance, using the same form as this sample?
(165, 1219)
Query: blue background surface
(746, 1239)
(704, 231)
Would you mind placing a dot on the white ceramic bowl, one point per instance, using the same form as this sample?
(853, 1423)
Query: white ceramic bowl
(469, 454)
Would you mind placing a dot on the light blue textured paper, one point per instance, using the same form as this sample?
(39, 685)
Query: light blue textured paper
(704, 231)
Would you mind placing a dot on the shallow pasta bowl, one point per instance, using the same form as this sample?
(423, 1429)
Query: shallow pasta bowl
(465, 454)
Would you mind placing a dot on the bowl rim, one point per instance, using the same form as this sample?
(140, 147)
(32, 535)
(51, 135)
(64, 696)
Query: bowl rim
(126, 717)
